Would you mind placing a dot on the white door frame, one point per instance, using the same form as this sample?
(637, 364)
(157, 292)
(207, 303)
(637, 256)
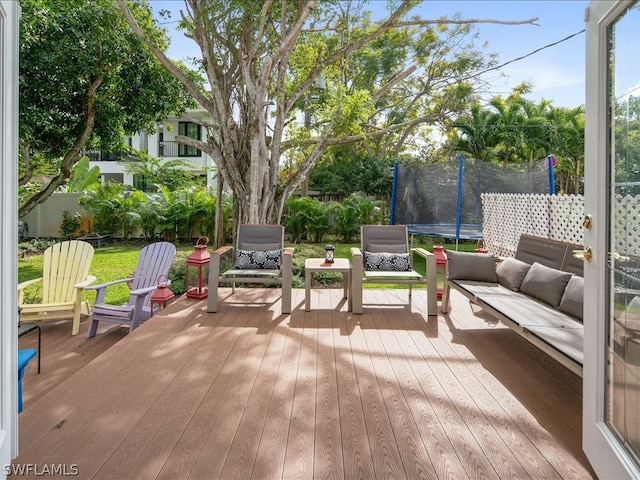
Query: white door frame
(9, 34)
(607, 456)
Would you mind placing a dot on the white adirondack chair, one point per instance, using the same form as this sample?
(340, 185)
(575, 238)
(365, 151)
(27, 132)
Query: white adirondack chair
(154, 261)
(64, 276)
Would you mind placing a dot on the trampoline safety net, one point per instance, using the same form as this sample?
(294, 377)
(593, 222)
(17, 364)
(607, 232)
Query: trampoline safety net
(426, 197)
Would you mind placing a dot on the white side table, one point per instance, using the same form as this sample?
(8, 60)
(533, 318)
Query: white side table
(317, 265)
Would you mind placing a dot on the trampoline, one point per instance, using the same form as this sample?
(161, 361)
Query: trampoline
(444, 199)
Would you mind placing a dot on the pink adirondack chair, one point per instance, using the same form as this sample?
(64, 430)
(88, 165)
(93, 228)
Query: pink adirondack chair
(154, 261)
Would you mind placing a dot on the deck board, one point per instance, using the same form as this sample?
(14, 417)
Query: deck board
(251, 393)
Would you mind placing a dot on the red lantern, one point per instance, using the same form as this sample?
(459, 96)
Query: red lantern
(198, 270)
(441, 263)
(162, 295)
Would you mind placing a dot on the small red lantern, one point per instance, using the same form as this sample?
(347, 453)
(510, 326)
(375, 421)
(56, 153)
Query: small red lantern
(441, 263)
(198, 270)
(162, 295)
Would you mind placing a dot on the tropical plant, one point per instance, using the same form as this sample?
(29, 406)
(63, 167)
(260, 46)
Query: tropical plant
(305, 218)
(103, 204)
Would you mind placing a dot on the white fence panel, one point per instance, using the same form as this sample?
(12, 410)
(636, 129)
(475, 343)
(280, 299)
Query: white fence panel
(506, 216)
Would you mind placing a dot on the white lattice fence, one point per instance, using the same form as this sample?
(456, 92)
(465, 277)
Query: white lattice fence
(626, 222)
(506, 216)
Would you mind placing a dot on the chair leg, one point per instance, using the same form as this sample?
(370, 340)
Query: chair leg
(93, 328)
(214, 272)
(287, 275)
(356, 281)
(75, 328)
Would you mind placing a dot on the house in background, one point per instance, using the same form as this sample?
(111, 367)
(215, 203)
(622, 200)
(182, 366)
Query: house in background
(162, 145)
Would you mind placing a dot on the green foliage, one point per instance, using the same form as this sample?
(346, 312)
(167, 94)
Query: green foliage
(517, 130)
(83, 177)
(173, 214)
(69, 226)
(85, 82)
(305, 219)
(344, 171)
(103, 204)
(161, 173)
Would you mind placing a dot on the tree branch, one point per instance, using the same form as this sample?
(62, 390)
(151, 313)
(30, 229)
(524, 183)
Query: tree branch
(168, 64)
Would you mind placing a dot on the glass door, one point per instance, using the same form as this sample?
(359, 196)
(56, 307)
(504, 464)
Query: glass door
(611, 434)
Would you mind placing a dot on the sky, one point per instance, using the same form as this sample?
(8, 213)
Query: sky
(557, 72)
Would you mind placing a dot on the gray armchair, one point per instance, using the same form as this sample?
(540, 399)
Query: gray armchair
(259, 257)
(384, 256)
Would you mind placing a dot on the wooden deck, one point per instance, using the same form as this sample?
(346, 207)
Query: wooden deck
(249, 393)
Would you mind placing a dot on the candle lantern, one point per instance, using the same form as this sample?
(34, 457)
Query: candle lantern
(198, 270)
(162, 296)
(441, 264)
(328, 253)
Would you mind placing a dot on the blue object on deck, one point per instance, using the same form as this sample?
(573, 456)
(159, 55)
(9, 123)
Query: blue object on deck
(24, 356)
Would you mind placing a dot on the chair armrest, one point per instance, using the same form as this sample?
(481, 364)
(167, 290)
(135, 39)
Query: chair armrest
(25, 284)
(432, 279)
(108, 284)
(222, 250)
(143, 291)
(423, 253)
(88, 281)
(102, 288)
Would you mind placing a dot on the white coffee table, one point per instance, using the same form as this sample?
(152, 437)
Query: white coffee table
(318, 265)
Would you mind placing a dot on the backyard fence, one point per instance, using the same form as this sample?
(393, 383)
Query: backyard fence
(506, 216)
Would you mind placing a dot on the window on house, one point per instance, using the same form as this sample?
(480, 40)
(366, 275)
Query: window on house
(143, 183)
(191, 130)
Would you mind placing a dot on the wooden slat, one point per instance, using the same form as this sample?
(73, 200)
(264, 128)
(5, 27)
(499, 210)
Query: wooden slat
(250, 393)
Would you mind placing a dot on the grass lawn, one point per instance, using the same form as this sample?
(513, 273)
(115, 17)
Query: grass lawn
(114, 262)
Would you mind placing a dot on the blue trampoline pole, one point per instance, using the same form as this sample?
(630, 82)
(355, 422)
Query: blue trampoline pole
(552, 180)
(392, 214)
(459, 206)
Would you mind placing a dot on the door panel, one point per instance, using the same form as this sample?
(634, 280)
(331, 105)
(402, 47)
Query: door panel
(611, 423)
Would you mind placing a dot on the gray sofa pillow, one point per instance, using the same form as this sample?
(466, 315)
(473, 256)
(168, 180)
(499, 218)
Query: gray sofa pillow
(386, 248)
(545, 284)
(511, 273)
(259, 246)
(573, 298)
(479, 267)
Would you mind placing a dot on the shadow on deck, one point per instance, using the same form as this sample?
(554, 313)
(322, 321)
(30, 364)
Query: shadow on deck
(251, 393)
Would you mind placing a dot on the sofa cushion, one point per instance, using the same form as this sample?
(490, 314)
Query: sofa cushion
(511, 273)
(259, 246)
(387, 261)
(259, 259)
(573, 298)
(471, 266)
(386, 248)
(545, 284)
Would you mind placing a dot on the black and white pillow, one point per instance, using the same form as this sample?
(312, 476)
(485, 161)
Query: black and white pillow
(259, 259)
(386, 261)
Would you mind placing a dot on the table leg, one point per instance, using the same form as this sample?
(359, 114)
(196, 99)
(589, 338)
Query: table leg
(347, 290)
(307, 290)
